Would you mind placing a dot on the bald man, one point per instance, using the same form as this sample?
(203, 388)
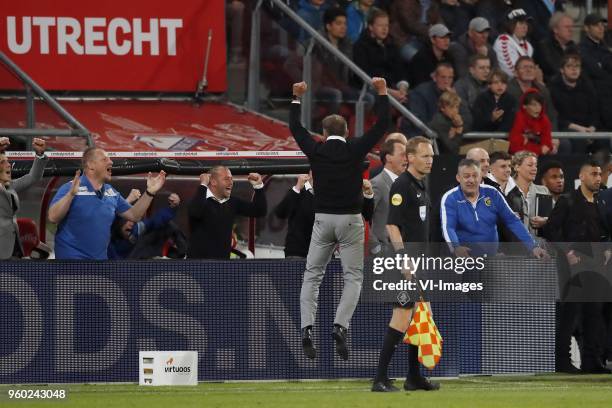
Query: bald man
(480, 155)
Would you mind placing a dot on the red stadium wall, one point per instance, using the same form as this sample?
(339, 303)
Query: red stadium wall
(135, 45)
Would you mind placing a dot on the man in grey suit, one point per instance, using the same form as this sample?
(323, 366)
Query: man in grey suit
(336, 167)
(10, 245)
(393, 157)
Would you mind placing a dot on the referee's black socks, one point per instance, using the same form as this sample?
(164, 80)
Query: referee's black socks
(392, 338)
(414, 370)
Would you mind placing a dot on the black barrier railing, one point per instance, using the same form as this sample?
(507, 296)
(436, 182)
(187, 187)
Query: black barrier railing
(86, 321)
(190, 167)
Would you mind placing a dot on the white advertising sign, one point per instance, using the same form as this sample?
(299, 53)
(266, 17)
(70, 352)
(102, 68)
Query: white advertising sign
(168, 368)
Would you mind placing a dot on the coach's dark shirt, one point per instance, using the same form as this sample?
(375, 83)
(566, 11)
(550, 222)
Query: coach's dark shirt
(337, 163)
(211, 222)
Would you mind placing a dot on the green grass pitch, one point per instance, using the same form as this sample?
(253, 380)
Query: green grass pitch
(470, 392)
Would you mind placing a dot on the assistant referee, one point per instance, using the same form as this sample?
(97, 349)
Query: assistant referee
(409, 221)
(336, 167)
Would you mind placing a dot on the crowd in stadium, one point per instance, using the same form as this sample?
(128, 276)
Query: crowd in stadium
(459, 66)
(497, 56)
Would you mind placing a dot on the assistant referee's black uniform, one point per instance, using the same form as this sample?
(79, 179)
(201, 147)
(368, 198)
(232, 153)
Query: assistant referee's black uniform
(410, 210)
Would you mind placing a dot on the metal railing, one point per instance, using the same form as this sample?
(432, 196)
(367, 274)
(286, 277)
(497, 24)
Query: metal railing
(253, 98)
(556, 135)
(32, 89)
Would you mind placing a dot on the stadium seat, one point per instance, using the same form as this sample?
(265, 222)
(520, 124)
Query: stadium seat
(30, 241)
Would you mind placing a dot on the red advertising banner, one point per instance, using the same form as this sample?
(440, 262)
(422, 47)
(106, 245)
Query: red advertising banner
(110, 45)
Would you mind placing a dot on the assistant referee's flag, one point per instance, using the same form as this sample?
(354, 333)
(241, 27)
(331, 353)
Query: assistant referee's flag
(424, 333)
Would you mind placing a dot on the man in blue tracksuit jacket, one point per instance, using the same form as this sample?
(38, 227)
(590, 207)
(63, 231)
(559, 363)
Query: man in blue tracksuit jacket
(470, 211)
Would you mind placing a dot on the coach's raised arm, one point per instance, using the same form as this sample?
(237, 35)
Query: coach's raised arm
(366, 142)
(336, 165)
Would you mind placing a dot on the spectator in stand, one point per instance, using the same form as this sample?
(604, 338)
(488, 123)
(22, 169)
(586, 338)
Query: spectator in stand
(469, 87)
(540, 12)
(10, 244)
(480, 155)
(234, 10)
(312, 12)
(500, 170)
(357, 18)
(494, 109)
(528, 76)
(531, 129)
(330, 75)
(558, 43)
(524, 197)
(376, 54)
(212, 212)
(576, 102)
(597, 64)
(553, 179)
(408, 30)
(429, 56)
(85, 208)
(125, 234)
(495, 11)
(605, 159)
(423, 101)
(455, 15)
(298, 208)
(513, 43)
(474, 42)
(448, 123)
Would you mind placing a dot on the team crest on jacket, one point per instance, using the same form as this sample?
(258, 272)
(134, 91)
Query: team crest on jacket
(487, 201)
(396, 199)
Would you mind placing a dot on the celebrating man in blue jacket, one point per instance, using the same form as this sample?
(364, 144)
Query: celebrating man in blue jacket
(470, 212)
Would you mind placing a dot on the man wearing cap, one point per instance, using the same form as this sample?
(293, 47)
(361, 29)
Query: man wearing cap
(426, 60)
(513, 44)
(474, 42)
(597, 63)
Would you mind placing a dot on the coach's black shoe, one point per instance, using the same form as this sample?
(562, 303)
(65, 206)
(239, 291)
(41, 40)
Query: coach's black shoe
(420, 383)
(384, 386)
(308, 344)
(339, 335)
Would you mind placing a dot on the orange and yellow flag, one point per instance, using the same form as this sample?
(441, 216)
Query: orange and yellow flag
(424, 333)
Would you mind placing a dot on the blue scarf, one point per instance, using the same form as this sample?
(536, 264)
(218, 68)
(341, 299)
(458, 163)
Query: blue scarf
(550, 5)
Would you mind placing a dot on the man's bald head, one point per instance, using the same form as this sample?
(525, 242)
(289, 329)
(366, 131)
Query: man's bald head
(481, 156)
